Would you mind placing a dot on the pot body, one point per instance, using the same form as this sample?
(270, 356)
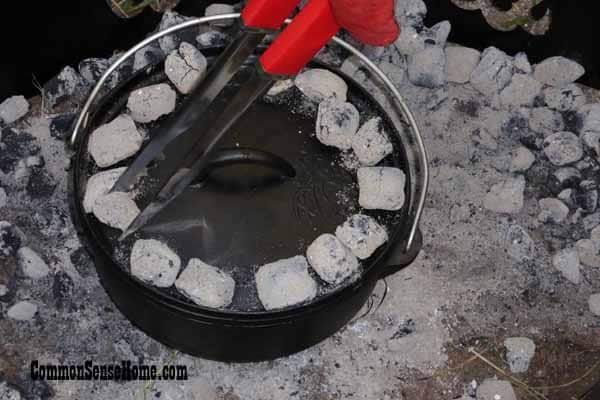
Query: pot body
(254, 336)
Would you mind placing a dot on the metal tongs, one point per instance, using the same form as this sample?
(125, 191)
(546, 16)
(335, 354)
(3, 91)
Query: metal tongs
(292, 49)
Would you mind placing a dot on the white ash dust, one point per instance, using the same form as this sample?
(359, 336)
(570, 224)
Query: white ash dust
(481, 273)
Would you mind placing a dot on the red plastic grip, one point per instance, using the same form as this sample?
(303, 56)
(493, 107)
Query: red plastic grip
(267, 14)
(310, 30)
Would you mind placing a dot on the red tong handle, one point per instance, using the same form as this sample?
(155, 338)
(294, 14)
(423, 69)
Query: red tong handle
(267, 14)
(310, 30)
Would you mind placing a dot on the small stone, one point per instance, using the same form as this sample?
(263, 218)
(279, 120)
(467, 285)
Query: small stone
(552, 210)
(98, 185)
(570, 97)
(519, 352)
(115, 141)
(587, 200)
(212, 39)
(331, 260)
(280, 86)
(151, 102)
(460, 63)
(588, 184)
(22, 311)
(381, 188)
(10, 240)
(563, 148)
(545, 121)
(493, 73)
(337, 123)
(409, 41)
(483, 138)
(410, 12)
(371, 144)
(567, 263)
(32, 264)
(520, 245)
(206, 285)
(494, 389)
(65, 92)
(506, 196)
(594, 304)
(438, 34)
(319, 84)
(8, 393)
(171, 42)
(412, 40)
(567, 176)
(522, 64)
(92, 69)
(427, 68)
(185, 67)
(116, 210)
(218, 9)
(285, 283)
(362, 235)
(13, 109)
(522, 91)
(154, 262)
(558, 71)
(566, 196)
(589, 252)
(591, 221)
(149, 55)
(592, 140)
(591, 120)
(521, 159)
(3, 198)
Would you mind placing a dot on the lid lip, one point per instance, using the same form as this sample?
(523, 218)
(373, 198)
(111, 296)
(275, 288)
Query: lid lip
(373, 271)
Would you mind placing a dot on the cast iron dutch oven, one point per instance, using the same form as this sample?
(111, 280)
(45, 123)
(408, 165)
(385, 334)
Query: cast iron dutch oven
(271, 191)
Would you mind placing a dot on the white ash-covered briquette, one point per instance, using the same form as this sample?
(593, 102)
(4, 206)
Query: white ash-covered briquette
(98, 185)
(115, 141)
(320, 84)
(151, 102)
(362, 235)
(337, 123)
(154, 262)
(381, 188)
(117, 210)
(185, 67)
(371, 143)
(284, 283)
(331, 260)
(206, 285)
(13, 109)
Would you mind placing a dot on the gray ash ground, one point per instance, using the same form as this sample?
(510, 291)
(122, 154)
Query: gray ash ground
(482, 276)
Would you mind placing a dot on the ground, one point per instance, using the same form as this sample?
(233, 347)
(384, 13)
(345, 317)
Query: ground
(438, 333)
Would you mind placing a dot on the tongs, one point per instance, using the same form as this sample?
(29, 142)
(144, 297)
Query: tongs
(291, 50)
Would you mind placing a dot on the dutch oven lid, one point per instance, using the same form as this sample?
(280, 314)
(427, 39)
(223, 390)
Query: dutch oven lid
(274, 189)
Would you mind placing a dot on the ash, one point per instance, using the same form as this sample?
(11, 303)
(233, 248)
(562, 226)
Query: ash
(487, 272)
